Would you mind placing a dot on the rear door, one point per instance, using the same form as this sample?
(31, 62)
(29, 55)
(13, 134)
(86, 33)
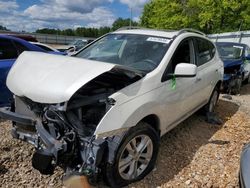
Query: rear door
(207, 69)
(8, 55)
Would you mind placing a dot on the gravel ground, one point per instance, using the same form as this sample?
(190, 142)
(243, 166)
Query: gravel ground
(194, 154)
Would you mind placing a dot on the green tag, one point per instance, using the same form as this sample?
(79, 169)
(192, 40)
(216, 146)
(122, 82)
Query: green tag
(173, 84)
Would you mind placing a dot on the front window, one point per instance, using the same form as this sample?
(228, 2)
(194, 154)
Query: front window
(140, 52)
(230, 51)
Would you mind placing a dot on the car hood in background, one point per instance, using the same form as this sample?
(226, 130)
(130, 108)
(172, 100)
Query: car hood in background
(51, 79)
(231, 62)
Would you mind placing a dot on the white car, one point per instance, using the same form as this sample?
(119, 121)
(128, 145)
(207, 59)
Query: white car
(48, 48)
(103, 111)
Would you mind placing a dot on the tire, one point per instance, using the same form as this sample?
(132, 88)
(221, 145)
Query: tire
(247, 81)
(119, 174)
(237, 87)
(210, 106)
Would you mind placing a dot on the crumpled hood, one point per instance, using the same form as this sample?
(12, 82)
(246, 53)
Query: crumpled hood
(51, 79)
(231, 62)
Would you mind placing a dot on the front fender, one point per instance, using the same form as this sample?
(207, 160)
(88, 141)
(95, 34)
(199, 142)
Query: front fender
(125, 116)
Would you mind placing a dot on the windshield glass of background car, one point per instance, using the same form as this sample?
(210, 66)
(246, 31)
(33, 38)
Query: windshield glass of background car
(140, 52)
(230, 51)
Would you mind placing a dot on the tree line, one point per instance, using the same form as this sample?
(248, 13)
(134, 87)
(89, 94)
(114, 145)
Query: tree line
(209, 16)
(89, 32)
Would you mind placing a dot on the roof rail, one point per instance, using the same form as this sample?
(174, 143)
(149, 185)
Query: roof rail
(191, 30)
(130, 27)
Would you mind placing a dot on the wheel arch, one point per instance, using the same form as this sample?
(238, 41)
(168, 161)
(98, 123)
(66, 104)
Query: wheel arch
(153, 120)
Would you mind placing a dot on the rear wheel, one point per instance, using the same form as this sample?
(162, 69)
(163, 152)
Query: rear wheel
(135, 157)
(237, 87)
(247, 81)
(209, 108)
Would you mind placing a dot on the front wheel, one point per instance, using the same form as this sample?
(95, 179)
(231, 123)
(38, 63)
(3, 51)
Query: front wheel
(135, 157)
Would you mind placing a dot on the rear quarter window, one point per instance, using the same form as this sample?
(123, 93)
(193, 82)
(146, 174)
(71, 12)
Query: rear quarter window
(205, 51)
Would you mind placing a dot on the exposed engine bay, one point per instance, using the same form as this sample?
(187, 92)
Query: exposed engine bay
(63, 134)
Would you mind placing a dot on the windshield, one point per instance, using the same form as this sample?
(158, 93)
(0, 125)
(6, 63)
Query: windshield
(140, 52)
(230, 51)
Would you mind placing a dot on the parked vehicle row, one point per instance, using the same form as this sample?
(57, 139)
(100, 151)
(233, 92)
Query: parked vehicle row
(102, 112)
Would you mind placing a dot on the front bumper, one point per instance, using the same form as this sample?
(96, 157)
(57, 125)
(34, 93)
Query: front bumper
(230, 81)
(51, 150)
(22, 126)
(18, 118)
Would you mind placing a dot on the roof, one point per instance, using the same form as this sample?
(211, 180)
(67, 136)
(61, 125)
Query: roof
(159, 33)
(153, 32)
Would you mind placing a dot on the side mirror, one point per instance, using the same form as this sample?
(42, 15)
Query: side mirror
(185, 70)
(248, 57)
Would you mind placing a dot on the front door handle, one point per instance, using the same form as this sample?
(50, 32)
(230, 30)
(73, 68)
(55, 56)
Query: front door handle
(198, 79)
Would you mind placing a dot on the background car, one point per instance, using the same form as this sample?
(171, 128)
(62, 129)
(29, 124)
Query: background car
(10, 49)
(48, 48)
(23, 36)
(75, 46)
(236, 58)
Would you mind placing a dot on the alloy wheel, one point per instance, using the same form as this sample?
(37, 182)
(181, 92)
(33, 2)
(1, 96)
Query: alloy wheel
(135, 157)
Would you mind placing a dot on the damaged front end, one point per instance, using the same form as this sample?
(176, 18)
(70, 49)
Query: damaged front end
(232, 76)
(63, 133)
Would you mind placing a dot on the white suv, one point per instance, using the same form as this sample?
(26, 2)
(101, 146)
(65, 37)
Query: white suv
(104, 110)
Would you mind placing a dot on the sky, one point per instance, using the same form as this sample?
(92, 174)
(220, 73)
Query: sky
(30, 15)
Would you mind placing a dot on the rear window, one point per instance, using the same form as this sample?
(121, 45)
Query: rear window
(7, 49)
(205, 51)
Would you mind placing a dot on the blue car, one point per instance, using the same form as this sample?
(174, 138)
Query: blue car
(10, 49)
(236, 59)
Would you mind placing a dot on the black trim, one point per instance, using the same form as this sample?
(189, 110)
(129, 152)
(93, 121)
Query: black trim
(185, 76)
(170, 76)
(18, 118)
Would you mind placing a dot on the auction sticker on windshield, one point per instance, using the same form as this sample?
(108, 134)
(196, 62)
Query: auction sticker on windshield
(157, 39)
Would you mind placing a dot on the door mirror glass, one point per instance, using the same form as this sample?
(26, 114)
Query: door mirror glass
(248, 57)
(185, 70)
